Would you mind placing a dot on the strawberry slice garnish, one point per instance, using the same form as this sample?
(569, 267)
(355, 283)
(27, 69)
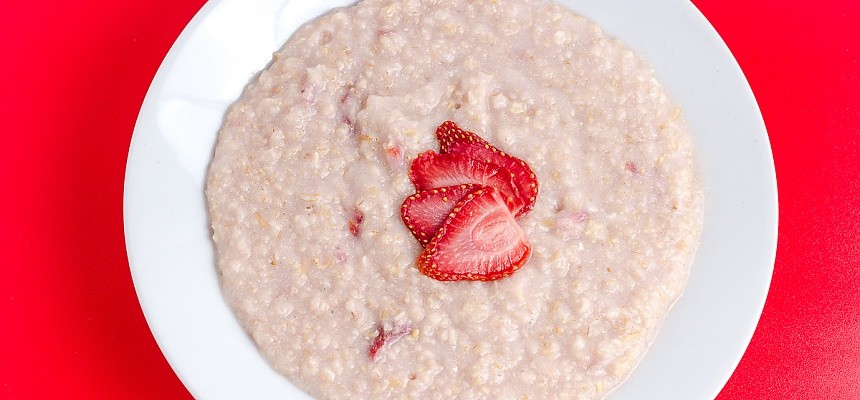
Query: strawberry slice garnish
(454, 140)
(432, 170)
(425, 211)
(479, 241)
(464, 212)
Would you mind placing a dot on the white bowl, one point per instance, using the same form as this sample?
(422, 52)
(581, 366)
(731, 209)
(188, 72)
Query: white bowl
(172, 258)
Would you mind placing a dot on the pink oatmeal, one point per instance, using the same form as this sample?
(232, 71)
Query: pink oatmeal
(310, 171)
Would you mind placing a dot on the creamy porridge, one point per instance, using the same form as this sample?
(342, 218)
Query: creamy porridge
(310, 172)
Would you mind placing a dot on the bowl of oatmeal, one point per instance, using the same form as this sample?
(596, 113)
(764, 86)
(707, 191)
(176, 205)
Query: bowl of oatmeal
(295, 298)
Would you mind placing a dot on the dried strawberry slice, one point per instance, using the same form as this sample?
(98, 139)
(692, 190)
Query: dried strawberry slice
(454, 140)
(425, 211)
(432, 170)
(479, 241)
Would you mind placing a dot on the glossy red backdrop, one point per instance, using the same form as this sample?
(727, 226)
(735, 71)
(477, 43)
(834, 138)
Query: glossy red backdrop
(73, 76)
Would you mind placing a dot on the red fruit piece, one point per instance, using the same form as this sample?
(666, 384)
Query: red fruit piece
(387, 336)
(432, 170)
(394, 155)
(479, 241)
(355, 220)
(631, 166)
(454, 140)
(425, 211)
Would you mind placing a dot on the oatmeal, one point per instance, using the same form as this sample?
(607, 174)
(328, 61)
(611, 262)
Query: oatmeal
(311, 169)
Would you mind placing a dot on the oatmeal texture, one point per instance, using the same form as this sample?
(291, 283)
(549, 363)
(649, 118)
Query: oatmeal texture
(310, 171)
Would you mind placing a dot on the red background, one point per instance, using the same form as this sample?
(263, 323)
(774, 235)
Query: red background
(73, 76)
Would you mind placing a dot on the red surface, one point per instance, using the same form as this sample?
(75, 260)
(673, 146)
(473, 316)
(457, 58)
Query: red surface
(73, 76)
